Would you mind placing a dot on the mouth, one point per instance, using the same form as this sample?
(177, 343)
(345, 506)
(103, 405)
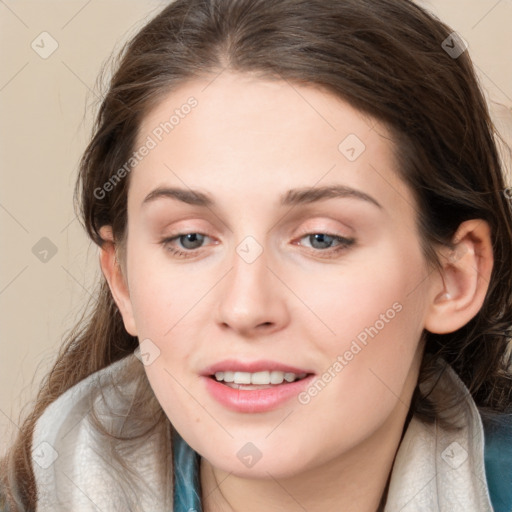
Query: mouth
(246, 381)
(257, 392)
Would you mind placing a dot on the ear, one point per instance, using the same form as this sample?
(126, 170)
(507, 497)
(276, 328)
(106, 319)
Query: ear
(458, 292)
(113, 273)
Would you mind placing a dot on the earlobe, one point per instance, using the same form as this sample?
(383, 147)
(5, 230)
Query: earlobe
(113, 273)
(459, 291)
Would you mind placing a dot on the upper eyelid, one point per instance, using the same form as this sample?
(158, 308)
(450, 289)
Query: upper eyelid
(308, 230)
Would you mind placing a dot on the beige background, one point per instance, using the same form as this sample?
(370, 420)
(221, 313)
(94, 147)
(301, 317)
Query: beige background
(47, 107)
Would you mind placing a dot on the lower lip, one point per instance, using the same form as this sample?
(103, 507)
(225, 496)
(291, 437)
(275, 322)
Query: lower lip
(257, 400)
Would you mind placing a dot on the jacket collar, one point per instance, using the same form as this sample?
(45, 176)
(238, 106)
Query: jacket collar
(439, 469)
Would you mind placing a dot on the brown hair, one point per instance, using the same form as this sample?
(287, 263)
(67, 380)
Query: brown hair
(385, 57)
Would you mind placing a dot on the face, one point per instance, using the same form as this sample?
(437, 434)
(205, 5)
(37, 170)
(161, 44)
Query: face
(332, 283)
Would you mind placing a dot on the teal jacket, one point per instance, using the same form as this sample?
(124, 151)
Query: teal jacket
(498, 463)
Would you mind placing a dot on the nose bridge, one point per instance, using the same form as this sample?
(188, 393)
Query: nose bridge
(248, 283)
(249, 297)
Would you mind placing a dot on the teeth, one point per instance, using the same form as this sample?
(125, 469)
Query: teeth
(265, 377)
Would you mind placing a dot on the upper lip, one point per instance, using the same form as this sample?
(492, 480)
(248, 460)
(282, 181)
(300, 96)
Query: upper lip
(233, 365)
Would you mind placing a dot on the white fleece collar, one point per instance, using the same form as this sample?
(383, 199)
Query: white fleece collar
(438, 470)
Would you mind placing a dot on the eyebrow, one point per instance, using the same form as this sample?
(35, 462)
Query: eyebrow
(290, 198)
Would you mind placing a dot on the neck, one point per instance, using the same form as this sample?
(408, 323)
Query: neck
(355, 482)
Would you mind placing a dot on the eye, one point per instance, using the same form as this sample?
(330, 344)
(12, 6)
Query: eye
(327, 243)
(188, 241)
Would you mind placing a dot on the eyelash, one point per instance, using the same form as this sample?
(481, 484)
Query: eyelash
(344, 243)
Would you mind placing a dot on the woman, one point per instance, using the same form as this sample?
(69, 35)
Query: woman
(305, 243)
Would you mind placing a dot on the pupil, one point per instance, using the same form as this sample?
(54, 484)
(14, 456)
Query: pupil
(193, 238)
(320, 237)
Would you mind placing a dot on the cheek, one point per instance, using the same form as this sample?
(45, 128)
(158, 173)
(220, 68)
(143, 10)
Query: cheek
(163, 299)
(371, 298)
(372, 321)
(161, 293)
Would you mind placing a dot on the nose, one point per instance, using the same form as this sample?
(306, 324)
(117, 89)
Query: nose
(251, 299)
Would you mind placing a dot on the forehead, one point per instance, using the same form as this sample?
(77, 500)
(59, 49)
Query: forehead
(232, 102)
(237, 133)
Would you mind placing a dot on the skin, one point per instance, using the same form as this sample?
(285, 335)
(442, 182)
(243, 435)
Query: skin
(246, 143)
